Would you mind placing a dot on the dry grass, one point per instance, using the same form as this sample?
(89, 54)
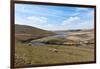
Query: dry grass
(38, 55)
(71, 51)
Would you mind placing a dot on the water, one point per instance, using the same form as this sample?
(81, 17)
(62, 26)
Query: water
(37, 43)
(58, 35)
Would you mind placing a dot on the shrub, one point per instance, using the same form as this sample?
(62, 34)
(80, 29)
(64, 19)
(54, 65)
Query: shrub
(55, 41)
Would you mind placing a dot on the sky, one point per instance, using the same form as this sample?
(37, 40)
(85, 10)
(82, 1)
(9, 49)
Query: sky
(54, 17)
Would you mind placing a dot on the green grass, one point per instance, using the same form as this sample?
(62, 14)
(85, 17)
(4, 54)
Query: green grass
(38, 55)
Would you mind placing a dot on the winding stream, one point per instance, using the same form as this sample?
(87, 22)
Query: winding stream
(58, 35)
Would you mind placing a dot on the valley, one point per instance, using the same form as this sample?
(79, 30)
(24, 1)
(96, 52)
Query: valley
(53, 47)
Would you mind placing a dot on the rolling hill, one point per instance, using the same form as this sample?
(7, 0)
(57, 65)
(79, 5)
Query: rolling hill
(24, 32)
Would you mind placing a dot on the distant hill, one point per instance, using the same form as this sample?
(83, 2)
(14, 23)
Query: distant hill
(76, 30)
(24, 32)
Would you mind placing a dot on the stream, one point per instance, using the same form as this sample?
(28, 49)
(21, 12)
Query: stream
(58, 35)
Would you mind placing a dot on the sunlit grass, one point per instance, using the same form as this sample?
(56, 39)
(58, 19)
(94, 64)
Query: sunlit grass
(36, 55)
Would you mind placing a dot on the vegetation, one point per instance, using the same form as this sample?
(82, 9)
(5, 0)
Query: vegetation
(78, 46)
(40, 55)
(24, 33)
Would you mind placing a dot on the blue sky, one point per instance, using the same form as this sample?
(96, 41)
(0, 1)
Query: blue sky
(54, 17)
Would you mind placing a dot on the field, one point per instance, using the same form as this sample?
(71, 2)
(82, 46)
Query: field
(34, 55)
(76, 47)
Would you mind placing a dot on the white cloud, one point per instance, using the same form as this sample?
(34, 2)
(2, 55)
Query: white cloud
(16, 22)
(37, 19)
(49, 25)
(75, 14)
(76, 22)
(74, 19)
(81, 9)
(21, 23)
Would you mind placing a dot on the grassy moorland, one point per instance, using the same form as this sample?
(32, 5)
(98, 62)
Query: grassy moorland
(24, 32)
(37, 55)
(77, 46)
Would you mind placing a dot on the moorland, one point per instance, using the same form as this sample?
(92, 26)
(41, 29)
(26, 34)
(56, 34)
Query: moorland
(34, 46)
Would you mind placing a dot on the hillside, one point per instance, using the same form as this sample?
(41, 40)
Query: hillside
(24, 32)
(73, 47)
